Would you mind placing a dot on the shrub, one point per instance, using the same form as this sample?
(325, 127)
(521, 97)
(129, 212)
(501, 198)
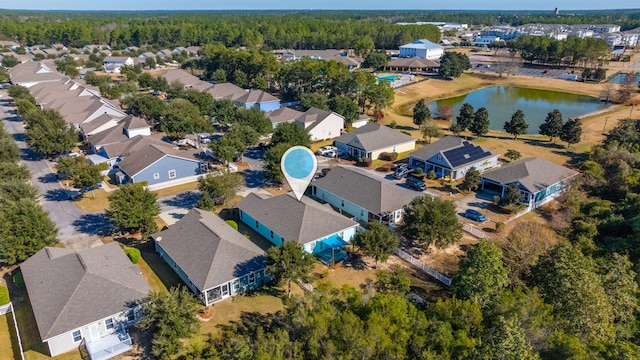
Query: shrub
(4, 295)
(233, 224)
(18, 279)
(432, 175)
(393, 124)
(405, 132)
(103, 166)
(388, 156)
(499, 227)
(418, 171)
(367, 162)
(133, 254)
(496, 199)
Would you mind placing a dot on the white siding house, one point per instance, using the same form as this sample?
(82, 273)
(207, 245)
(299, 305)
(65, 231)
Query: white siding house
(321, 124)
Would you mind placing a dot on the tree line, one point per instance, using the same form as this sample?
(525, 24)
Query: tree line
(331, 30)
(574, 51)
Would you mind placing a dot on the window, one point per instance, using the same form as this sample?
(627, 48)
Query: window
(172, 174)
(342, 203)
(252, 278)
(156, 176)
(77, 336)
(131, 315)
(272, 234)
(109, 323)
(236, 285)
(257, 224)
(439, 157)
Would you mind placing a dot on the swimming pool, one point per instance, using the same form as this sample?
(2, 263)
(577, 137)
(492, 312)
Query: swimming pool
(389, 78)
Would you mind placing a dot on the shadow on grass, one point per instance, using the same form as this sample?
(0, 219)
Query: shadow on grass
(160, 268)
(249, 322)
(29, 335)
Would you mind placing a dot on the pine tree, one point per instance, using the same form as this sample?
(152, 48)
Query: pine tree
(552, 125)
(421, 112)
(465, 117)
(571, 131)
(480, 124)
(517, 125)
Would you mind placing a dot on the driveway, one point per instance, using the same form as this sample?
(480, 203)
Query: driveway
(73, 224)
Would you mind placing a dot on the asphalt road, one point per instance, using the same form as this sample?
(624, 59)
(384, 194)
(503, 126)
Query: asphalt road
(72, 222)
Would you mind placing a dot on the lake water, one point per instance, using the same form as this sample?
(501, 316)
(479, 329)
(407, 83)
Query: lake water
(502, 101)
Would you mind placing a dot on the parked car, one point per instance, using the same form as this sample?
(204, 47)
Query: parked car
(401, 171)
(415, 184)
(475, 215)
(328, 150)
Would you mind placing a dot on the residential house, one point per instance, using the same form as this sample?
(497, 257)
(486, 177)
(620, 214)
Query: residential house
(539, 180)
(33, 72)
(87, 297)
(423, 48)
(193, 50)
(452, 157)
(83, 109)
(373, 139)
(321, 124)
(364, 196)
(98, 125)
(282, 115)
(146, 55)
(148, 159)
(9, 44)
(226, 91)
(126, 128)
(212, 259)
(112, 64)
(362, 120)
(181, 76)
(164, 53)
(258, 98)
(282, 218)
(413, 65)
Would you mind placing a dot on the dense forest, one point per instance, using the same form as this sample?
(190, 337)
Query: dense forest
(283, 29)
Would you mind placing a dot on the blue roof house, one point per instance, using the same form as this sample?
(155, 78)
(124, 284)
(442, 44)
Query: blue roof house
(316, 227)
(258, 98)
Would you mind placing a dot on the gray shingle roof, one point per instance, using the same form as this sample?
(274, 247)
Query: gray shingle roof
(33, 71)
(256, 96)
(68, 290)
(373, 136)
(534, 174)
(313, 115)
(208, 250)
(365, 190)
(142, 151)
(283, 114)
(182, 76)
(302, 221)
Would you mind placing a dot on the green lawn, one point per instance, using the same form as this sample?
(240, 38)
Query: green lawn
(157, 273)
(9, 348)
(34, 348)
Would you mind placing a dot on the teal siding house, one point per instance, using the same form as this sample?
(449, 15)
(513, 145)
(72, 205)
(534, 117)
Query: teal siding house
(539, 180)
(316, 227)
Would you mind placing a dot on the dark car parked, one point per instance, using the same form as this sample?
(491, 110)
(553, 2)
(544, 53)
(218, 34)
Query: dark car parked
(415, 184)
(475, 215)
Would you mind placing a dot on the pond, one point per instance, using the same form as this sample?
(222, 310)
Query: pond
(502, 101)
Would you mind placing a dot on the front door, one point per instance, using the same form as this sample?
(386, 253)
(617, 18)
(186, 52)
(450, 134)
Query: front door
(93, 330)
(225, 290)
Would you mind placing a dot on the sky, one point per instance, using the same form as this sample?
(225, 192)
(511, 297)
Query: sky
(317, 4)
